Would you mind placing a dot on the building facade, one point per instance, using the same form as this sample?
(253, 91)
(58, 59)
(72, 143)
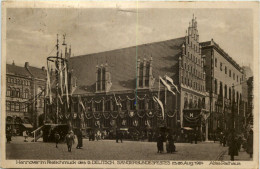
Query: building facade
(224, 81)
(24, 96)
(115, 89)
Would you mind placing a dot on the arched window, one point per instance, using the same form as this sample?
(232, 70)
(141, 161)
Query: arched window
(216, 86)
(230, 93)
(103, 78)
(18, 93)
(141, 75)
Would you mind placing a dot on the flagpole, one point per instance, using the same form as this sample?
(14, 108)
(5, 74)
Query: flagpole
(159, 89)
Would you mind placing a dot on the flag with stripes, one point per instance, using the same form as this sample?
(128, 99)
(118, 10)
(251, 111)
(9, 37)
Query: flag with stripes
(166, 85)
(160, 103)
(171, 81)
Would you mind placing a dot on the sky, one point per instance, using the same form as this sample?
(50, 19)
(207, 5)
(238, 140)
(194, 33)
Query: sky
(31, 33)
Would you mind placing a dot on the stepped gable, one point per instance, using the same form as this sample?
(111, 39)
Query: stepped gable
(122, 64)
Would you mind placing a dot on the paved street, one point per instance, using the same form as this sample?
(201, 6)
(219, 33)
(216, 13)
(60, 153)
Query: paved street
(110, 150)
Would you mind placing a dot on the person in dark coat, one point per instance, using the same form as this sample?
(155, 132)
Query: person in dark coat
(121, 136)
(80, 138)
(70, 140)
(233, 149)
(9, 135)
(57, 138)
(191, 138)
(171, 146)
(160, 143)
(250, 139)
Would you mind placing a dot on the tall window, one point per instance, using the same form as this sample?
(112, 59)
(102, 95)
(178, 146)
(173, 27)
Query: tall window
(234, 76)
(8, 106)
(17, 106)
(8, 92)
(220, 66)
(216, 86)
(99, 79)
(141, 75)
(147, 74)
(103, 78)
(132, 104)
(12, 106)
(107, 105)
(26, 94)
(216, 62)
(225, 91)
(229, 73)
(18, 93)
(225, 69)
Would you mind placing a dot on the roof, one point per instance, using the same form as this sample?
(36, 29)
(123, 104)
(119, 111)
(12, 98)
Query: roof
(212, 43)
(17, 70)
(122, 64)
(22, 71)
(37, 72)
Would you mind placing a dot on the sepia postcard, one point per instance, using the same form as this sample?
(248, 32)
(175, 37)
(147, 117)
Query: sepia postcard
(129, 84)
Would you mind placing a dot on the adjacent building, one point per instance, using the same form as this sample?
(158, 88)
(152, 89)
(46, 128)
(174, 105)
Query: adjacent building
(24, 96)
(224, 81)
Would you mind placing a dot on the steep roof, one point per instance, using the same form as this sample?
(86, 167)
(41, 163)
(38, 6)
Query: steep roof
(17, 70)
(122, 64)
(22, 71)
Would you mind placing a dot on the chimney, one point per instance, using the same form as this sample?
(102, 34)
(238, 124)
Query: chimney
(43, 68)
(26, 65)
(13, 63)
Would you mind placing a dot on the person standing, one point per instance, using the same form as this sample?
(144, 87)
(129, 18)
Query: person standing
(250, 143)
(70, 140)
(160, 143)
(79, 137)
(25, 135)
(57, 138)
(9, 135)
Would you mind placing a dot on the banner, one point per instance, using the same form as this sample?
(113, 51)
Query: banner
(160, 103)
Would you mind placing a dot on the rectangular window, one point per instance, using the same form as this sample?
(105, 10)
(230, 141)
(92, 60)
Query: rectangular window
(216, 62)
(225, 69)
(17, 107)
(8, 108)
(237, 78)
(229, 73)
(141, 104)
(12, 106)
(220, 66)
(99, 106)
(234, 76)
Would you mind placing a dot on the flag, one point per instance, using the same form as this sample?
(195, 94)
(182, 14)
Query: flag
(160, 103)
(81, 103)
(117, 103)
(61, 78)
(171, 81)
(66, 84)
(166, 85)
(49, 84)
(60, 99)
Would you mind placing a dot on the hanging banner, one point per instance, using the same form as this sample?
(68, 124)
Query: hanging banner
(113, 122)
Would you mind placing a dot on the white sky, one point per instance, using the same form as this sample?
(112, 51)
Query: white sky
(31, 33)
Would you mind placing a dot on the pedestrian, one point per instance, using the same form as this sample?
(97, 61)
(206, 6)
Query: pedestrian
(170, 146)
(9, 135)
(79, 137)
(214, 137)
(57, 138)
(121, 136)
(232, 150)
(250, 139)
(25, 135)
(70, 140)
(195, 137)
(160, 143)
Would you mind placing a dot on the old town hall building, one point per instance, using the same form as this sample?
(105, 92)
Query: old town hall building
(115, 89)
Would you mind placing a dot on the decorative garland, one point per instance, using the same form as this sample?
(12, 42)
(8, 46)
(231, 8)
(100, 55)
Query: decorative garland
(196, 120)
(106, 116)
(113, 116)
(168, 114)
(98, 114)
(88, 115)
(140, 115)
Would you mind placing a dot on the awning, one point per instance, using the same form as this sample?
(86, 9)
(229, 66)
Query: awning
(29, 126)
(123, 129)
